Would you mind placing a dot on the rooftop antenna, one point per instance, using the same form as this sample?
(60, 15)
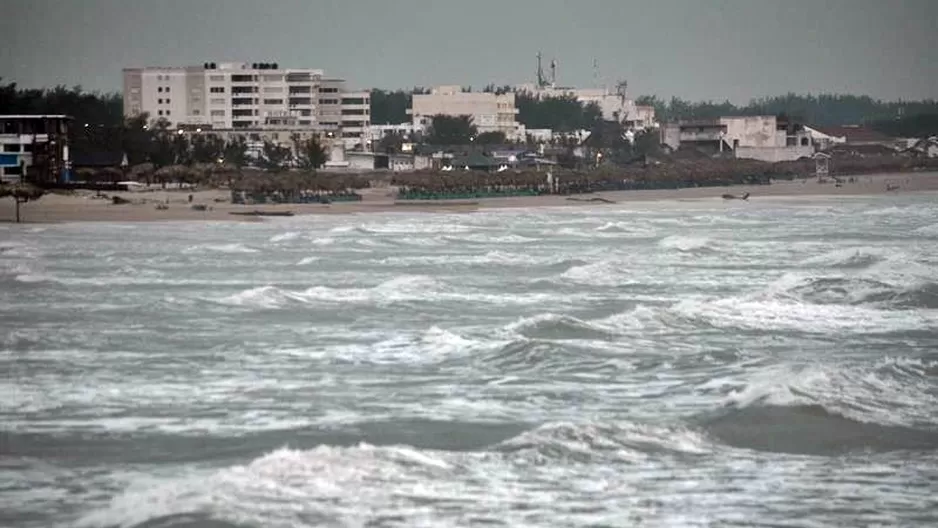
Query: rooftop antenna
(553, 73)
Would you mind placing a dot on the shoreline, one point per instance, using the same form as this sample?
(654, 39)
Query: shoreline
(84, 207)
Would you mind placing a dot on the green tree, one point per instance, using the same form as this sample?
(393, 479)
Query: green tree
(451, 130)
(391, 143)
(389, 107)
(275, 157)
(207, 148)
(491, 138)
(236, 152)
(560, 114)
(310, 154)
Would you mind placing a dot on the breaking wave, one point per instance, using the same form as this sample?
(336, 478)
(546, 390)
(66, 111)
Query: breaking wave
(847, 258)
(686, 244)
(403, 289)
(591, 442)
(221, 248)
(816, 410)
(284, 237)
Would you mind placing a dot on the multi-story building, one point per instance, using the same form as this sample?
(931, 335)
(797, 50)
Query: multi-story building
(223, 96)
(34, 147)
(490, 112)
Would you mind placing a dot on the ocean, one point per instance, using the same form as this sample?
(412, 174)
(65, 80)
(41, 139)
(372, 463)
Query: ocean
(705, 363)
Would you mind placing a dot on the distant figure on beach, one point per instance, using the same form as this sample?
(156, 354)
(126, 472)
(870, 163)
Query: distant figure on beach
(190, 198)
(734, 197)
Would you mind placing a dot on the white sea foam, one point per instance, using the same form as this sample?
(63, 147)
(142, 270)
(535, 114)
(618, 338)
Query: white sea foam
(930, 230)
(328, 484)
(685, 243)
(859, 392)
(848, 257)
(221, 248)
(602, 273)
(284, 237)
(828, 319)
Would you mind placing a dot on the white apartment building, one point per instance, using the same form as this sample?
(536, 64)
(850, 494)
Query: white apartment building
(489, 112)
(237, 95)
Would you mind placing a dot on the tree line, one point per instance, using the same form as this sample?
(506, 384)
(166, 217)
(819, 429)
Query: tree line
(107, 130)
(819, 110)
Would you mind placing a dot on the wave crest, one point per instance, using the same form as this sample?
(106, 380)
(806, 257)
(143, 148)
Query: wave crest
(590, 442)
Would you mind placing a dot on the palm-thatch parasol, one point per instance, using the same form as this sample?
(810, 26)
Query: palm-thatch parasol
(142, 171)
(21, 193)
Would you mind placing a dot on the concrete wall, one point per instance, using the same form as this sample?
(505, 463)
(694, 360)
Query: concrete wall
(753, 131)
(774, 154)
(671, 135)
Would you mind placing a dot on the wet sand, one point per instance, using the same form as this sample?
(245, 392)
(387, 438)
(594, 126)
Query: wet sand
(84, 206)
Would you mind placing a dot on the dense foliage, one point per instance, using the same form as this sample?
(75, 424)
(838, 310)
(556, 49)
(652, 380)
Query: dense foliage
(820, 110)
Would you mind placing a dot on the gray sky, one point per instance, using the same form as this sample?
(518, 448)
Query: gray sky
(697, 49)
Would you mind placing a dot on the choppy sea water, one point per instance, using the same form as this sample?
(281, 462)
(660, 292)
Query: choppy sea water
(658, 364)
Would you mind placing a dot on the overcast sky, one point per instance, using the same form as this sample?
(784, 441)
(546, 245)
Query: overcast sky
(697, 49)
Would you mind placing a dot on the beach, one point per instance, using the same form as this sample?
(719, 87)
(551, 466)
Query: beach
(85, 206)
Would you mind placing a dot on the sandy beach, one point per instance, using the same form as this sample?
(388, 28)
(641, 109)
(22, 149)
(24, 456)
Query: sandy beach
(85, 206)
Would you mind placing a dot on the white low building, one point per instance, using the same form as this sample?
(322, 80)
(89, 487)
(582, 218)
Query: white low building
(614, 105)
(747, 137)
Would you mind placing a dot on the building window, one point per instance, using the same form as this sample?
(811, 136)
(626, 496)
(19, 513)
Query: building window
(328, 101)
(196, 112)
(167, 101)
(11, 147)
(159, 101)
(272, 78)
(352, 111)
(217, 89)
(16, 170)
(328, 90)
(167, 112)
(353, 101)
(159, 112)
(216, 78)
(273, 101)
(273, 89)
(167, 89)
(218, 113)
(159, 89)
(218, 101)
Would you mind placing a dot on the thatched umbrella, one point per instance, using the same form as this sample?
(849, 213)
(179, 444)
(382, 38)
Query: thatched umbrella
(109, 174)
(222, 172)
(21, 193)
(86, 174)
(178, 173)
(142, 171)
